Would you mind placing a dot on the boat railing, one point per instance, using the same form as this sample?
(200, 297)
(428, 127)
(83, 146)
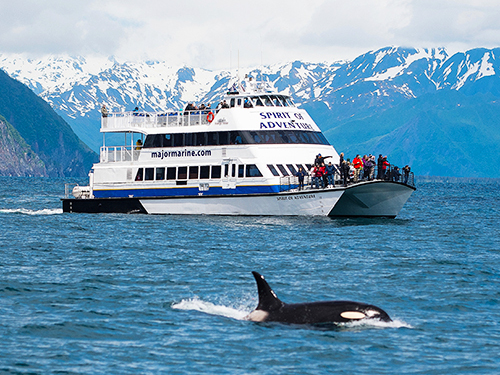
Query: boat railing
(291, 182)
(119, 153)
(118, 121)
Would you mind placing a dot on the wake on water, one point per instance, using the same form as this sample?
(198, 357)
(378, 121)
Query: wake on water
(24, 211)
(195, 304)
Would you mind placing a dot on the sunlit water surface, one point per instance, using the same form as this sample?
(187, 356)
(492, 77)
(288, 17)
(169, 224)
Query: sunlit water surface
(137, 294)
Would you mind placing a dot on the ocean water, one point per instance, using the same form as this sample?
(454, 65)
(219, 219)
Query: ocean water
(137, 294)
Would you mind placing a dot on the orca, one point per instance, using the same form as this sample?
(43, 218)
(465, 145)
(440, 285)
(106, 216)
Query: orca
(272, 309)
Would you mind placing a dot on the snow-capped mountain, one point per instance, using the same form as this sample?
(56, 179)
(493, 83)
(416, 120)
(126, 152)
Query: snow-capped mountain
(332, 92)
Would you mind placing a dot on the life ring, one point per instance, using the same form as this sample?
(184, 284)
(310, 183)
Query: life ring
(210, 117)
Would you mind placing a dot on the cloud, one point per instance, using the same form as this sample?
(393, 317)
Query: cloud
(213, 34)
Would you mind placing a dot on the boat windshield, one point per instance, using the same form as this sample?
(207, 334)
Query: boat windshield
(272, 101)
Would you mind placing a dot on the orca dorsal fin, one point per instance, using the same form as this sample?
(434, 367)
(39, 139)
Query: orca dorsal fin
(268, 300)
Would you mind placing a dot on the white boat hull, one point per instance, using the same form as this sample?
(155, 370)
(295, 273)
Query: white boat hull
(369, 199)
(303, 203)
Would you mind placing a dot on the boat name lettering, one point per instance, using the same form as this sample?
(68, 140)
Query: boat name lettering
(293, 197)
(286, 125)
(179, 154)
(284, 115)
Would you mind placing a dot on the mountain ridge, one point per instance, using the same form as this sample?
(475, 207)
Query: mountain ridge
(336, 94)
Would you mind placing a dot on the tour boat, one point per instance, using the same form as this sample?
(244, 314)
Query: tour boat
(240, 158)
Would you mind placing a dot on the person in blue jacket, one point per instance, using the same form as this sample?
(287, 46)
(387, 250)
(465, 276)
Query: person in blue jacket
(301, 174)
(330, 174)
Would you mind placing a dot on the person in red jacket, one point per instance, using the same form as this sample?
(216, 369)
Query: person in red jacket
(318, 174)
(358, 167)
(385, 168)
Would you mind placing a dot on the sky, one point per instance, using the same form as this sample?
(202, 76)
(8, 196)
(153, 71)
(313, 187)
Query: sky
(224, 34)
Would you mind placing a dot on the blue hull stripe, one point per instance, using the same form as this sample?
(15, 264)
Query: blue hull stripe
(184, 191)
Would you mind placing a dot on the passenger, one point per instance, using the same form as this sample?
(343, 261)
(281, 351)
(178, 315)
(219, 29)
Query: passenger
(365, 167)
(320, 159)
(369, 167)
(330, 173)
(324, 181)
(247, 103)
(224, 104)
(406, 173)
(135, 112)
(317, 176)
(190, 107)
(386, 168)
(345, 168)
(395, 174)
(104, 111)
(380, 164)
(301, 174)
(372, 171)
(358, 166)
(202, 107)
(138, 144)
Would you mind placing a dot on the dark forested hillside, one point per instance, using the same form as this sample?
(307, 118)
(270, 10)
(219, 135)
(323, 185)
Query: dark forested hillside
(46, 133)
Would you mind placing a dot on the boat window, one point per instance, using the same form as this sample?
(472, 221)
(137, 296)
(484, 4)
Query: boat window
(239, 102)
(258, 102)
(247, 103)
(223, 138)
(231, 103)
(292, 169)
(160, 173)
(171, 173)
(153, 140)
(216, 171)
(293, 137)
(255, 137)
(282, 170)
(290, 102)
(182, 173)
(200, 139)
(178, 140)
(139, 175)
(241, 170)
(273, 170)
(235, 137)
(283, 100)
(150, 174)
(300, 166)
(212, 138)
(190, 139)
(268, 101)
(276, 101)
(226, 170)
(284, 136)
(252, 171)
(204, 172)
(193, 173)
(167, 140)
(233, 173)
(309, 166)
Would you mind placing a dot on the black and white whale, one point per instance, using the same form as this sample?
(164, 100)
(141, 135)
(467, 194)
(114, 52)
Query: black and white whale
(271, 309)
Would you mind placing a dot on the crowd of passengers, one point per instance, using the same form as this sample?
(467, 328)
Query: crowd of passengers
(258, 101)
(323, 174)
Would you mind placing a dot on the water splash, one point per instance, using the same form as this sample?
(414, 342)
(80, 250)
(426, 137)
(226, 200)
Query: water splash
(210, 308)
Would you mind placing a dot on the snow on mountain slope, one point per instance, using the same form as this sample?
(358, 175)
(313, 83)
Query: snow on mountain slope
(76, 87)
